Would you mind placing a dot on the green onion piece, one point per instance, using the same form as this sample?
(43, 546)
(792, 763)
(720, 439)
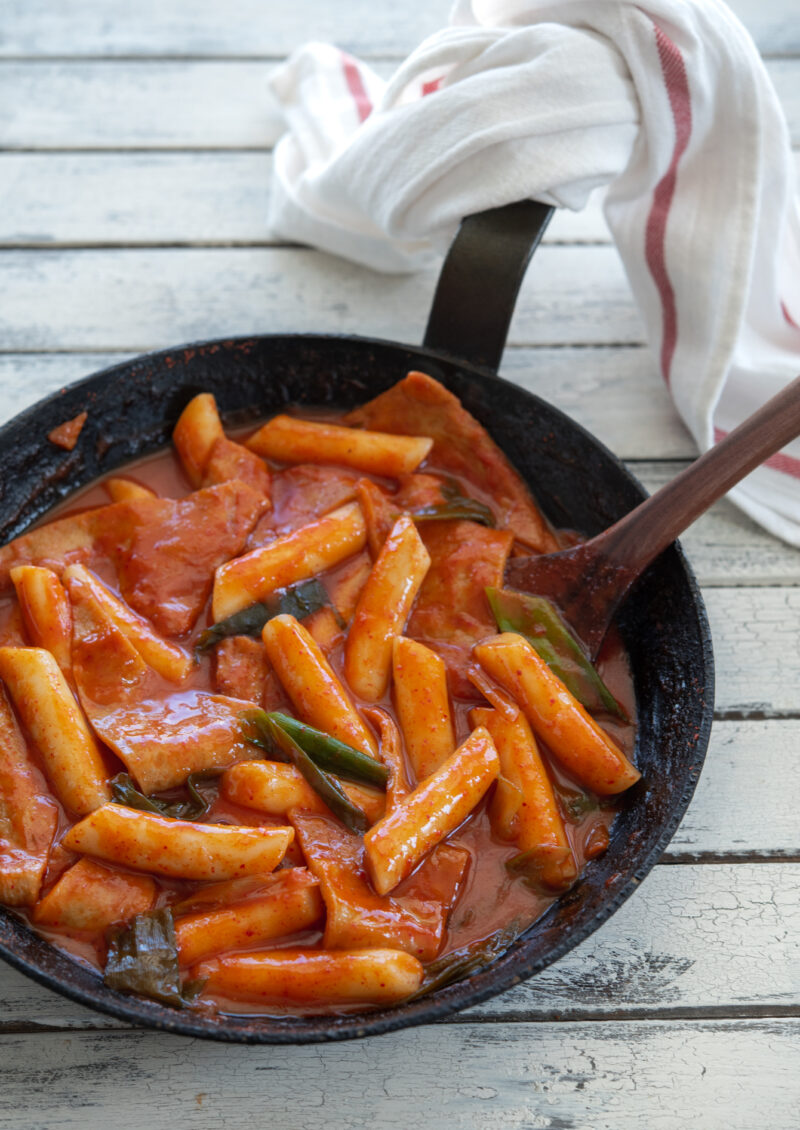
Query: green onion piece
(303, 599)
(247, 622)
(467, 960)
(255, 736)
(454, 504)
(298, 600)
(468, 508)
(125, 792)
(575, 803)
(272, 736)
(550, 859)
(332, 755)
(192, 989)
(143, 958)
(199, 804)
(537, 619)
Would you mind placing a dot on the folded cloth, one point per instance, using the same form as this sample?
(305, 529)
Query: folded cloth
(665, 101)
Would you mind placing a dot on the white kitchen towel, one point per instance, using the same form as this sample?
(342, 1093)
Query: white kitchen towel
(665, 101)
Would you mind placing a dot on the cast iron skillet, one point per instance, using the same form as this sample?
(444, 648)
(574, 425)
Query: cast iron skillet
(132, 410)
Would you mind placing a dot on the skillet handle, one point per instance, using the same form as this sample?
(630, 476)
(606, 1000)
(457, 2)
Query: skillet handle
(480, 279)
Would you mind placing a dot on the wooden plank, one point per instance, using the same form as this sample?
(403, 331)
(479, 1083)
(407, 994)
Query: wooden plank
(692, 941)
(756, 634)
(214, 198)
(145, 105)
(27, 1005)
(202, 27)
(784, 76)
(615, 393)
(142, 299)
(610, 1076)
(172, 104)
(748, 795)
(656, 955)
(724, 546)
(247, 27)
(26, 378)
(102, 198)
(135, 300)
(184, 197)
(773, 25)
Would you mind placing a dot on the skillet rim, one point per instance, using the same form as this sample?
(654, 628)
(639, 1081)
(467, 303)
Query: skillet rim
(509, 969)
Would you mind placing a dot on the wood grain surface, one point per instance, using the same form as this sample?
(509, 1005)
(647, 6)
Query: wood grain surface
(180, 103)
(173, 198)
(242, 28)
(142, 299)
(618, 1075)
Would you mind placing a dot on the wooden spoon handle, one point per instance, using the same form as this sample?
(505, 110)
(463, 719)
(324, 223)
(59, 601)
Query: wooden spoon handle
(655, 523)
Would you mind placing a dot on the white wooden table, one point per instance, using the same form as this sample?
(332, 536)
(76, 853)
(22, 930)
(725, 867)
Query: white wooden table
(134, 180)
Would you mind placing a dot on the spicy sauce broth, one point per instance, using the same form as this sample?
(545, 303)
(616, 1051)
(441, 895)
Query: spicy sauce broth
(490, 897)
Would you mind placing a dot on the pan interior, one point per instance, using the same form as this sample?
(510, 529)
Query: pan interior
(132, 409)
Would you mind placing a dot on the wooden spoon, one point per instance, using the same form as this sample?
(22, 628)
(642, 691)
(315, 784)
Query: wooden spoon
(588, 581)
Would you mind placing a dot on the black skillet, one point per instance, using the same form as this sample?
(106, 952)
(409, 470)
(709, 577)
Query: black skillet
(132, 410)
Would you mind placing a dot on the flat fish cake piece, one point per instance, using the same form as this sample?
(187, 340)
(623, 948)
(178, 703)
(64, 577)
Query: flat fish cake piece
(419, 405)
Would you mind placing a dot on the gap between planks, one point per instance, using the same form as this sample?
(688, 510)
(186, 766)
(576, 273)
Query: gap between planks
(714, 858)
(646, 1015)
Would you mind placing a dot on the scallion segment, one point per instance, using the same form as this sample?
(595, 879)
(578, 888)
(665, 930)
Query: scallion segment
(538, 620)
(298, 600)
(143, 958)
(125, 792)
(263, 730)
(455, 505)
(332, 755)
(469, 959)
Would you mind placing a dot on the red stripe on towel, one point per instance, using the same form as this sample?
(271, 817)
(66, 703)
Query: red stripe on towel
(788, 316)
(786, 464)
(677, 84)
(355, 84)
(432, 86)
